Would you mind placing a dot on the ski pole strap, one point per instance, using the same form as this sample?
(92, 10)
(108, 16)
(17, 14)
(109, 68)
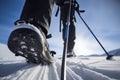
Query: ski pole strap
(57, 11)
(60, 25)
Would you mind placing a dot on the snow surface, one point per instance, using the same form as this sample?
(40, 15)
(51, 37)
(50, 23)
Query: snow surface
(78, 68)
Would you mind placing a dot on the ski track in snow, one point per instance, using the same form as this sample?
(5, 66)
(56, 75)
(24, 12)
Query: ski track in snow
(76, 70)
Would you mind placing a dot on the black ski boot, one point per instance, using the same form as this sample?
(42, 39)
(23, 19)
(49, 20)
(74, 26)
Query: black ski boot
(71, 54)
(28, 41)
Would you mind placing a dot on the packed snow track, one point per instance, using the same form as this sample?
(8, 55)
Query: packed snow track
(76, 70)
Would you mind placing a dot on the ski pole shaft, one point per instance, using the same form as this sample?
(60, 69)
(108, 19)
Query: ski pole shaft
(93, 34)
(63, 68)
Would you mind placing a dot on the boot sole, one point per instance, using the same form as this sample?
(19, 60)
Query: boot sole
(27, 43)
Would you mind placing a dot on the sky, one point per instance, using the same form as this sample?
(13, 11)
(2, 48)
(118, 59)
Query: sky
(102, 16)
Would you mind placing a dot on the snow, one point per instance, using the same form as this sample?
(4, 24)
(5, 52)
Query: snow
(6, 54)
(78, 68)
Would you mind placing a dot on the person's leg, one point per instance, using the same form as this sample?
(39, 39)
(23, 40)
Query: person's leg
(71, 43)
(28, 38)
(38, 13)
(72, 36)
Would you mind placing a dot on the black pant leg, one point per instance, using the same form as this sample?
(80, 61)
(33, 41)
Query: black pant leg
(38, 12)
(72, 36)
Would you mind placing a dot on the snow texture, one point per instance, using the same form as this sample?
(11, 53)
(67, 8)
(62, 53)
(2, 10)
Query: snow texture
(78, 68)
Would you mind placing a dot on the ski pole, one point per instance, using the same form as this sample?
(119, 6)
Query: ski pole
(63, 67)
(108, 55)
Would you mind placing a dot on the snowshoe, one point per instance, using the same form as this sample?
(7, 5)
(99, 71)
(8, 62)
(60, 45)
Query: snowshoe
(29, 42)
